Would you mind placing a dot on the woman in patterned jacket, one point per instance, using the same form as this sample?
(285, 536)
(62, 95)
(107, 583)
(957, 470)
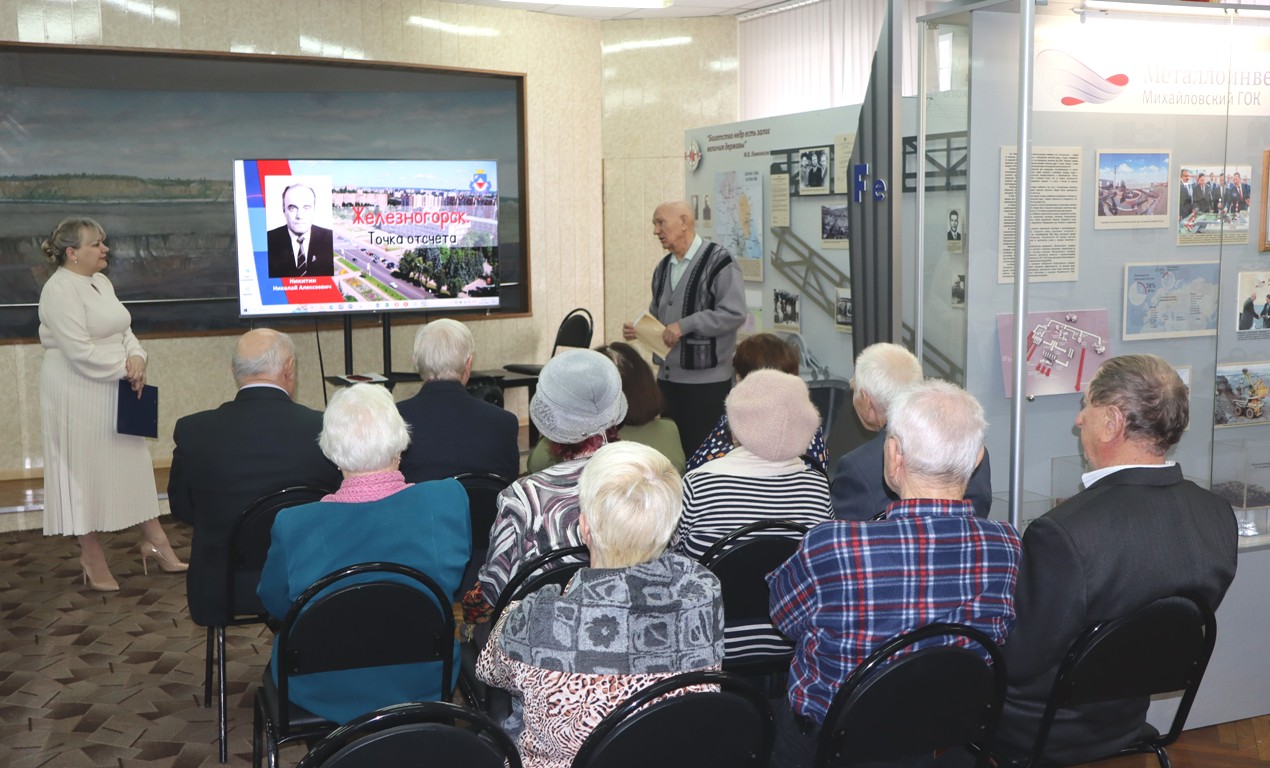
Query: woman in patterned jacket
(638, 615)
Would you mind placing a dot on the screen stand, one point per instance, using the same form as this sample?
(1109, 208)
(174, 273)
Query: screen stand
(348, 345)
(386, 324)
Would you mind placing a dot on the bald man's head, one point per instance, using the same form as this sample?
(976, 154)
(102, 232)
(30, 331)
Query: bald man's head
(265, 356)
(675, 226)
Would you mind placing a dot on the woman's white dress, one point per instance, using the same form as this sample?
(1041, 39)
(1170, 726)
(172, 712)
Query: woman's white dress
(94, 478)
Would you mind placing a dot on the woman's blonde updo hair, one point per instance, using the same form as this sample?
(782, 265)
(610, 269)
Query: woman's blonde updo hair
(68, 234)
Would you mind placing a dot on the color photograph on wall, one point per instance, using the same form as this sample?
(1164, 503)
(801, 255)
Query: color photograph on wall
(1241, 394)
(1264, 243)
(1170, 300)
(1253, 318)
(1133, 190)
(1214, 202)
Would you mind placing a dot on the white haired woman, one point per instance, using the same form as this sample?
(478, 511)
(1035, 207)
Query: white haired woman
(639, 614)
(374, 516)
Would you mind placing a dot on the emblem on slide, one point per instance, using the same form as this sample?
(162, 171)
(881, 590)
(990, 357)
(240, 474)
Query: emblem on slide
(1069, 80)
(480, 182)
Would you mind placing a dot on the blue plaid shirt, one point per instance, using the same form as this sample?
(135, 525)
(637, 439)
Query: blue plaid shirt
(852, 586)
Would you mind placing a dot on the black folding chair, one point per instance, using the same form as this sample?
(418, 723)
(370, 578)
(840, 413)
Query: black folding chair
(742, 559)
(902, 703)
(574, 331)
(434, 733)
(345, 621)
(527, 579)
(665, 726)
(248, 548)
(1160, 648)
(482, 506)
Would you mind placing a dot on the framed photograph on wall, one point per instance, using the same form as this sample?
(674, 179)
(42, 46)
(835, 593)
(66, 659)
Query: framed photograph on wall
(815, 170)
(1241, 394)
(1264, 242)
(1133, 190)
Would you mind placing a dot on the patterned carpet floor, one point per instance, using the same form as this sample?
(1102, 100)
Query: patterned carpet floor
(112, 679)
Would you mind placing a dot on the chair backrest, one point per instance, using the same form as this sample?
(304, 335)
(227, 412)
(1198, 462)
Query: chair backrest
(730, 725)
(366, 615)
(249, 542)
(574, 331)
(398, 736)
(902, 703)
(531, 576)
(482, 504)
(1162, 647)
(743, 558)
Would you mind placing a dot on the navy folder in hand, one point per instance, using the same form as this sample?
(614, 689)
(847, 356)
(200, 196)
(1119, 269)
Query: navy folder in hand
(138, 416)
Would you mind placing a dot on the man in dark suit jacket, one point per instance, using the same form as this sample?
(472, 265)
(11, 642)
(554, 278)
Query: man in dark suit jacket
(300, 249)
(882, 372)
(1137, 533)
(450, 430)
(228, 457)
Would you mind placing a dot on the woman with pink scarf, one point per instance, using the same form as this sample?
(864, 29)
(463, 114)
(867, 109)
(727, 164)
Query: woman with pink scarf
(374, 516)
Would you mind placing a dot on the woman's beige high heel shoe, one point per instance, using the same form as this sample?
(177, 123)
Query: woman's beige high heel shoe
(168, 562)
(98, 582)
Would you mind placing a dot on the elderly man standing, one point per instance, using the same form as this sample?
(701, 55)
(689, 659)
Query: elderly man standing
(883, 372)
(228, 457)
(452, 431)
(698, 295)
(851, 586)
(1138, 532)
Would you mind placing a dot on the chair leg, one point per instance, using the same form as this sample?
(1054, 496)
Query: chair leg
(207, 671)
(257, 732)
(1162, 755)
(221, 695)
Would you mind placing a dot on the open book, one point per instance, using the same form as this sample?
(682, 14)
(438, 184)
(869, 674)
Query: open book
(648, 330)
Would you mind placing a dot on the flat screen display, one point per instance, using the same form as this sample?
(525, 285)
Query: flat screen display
(341, 236)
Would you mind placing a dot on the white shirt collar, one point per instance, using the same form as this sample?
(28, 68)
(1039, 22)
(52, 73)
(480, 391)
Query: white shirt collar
(1089, 478)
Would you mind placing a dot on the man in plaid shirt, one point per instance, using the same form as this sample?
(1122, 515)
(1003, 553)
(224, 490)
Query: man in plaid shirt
(854, 585)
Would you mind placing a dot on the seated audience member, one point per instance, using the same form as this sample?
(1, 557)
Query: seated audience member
(762, 350)
(375, 516)
(228, 457)
(578, 405)
(453, 431)
(882, 373)
(772, 420)
(854, 585)
(638, 615)
(1138, 532)
(645, 420)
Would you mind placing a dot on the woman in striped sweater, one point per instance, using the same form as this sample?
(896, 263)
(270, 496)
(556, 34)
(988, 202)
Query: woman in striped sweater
(763, 478)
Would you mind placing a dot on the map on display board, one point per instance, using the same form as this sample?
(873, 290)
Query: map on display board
(1064, 349)
(738, 219)
(1167, 300)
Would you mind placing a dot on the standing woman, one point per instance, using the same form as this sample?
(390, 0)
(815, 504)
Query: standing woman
(94, 478)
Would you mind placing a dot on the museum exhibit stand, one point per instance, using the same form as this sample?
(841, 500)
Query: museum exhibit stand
(1149, 129)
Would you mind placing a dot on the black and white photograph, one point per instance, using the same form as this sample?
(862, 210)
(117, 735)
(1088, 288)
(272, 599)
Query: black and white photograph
(835, 229)
(814, 170)
(786, 310)
(955, 230)
(958, 293)
(843, 312)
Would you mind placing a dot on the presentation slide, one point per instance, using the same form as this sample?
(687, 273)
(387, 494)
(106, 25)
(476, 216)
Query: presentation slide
(340, 236)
